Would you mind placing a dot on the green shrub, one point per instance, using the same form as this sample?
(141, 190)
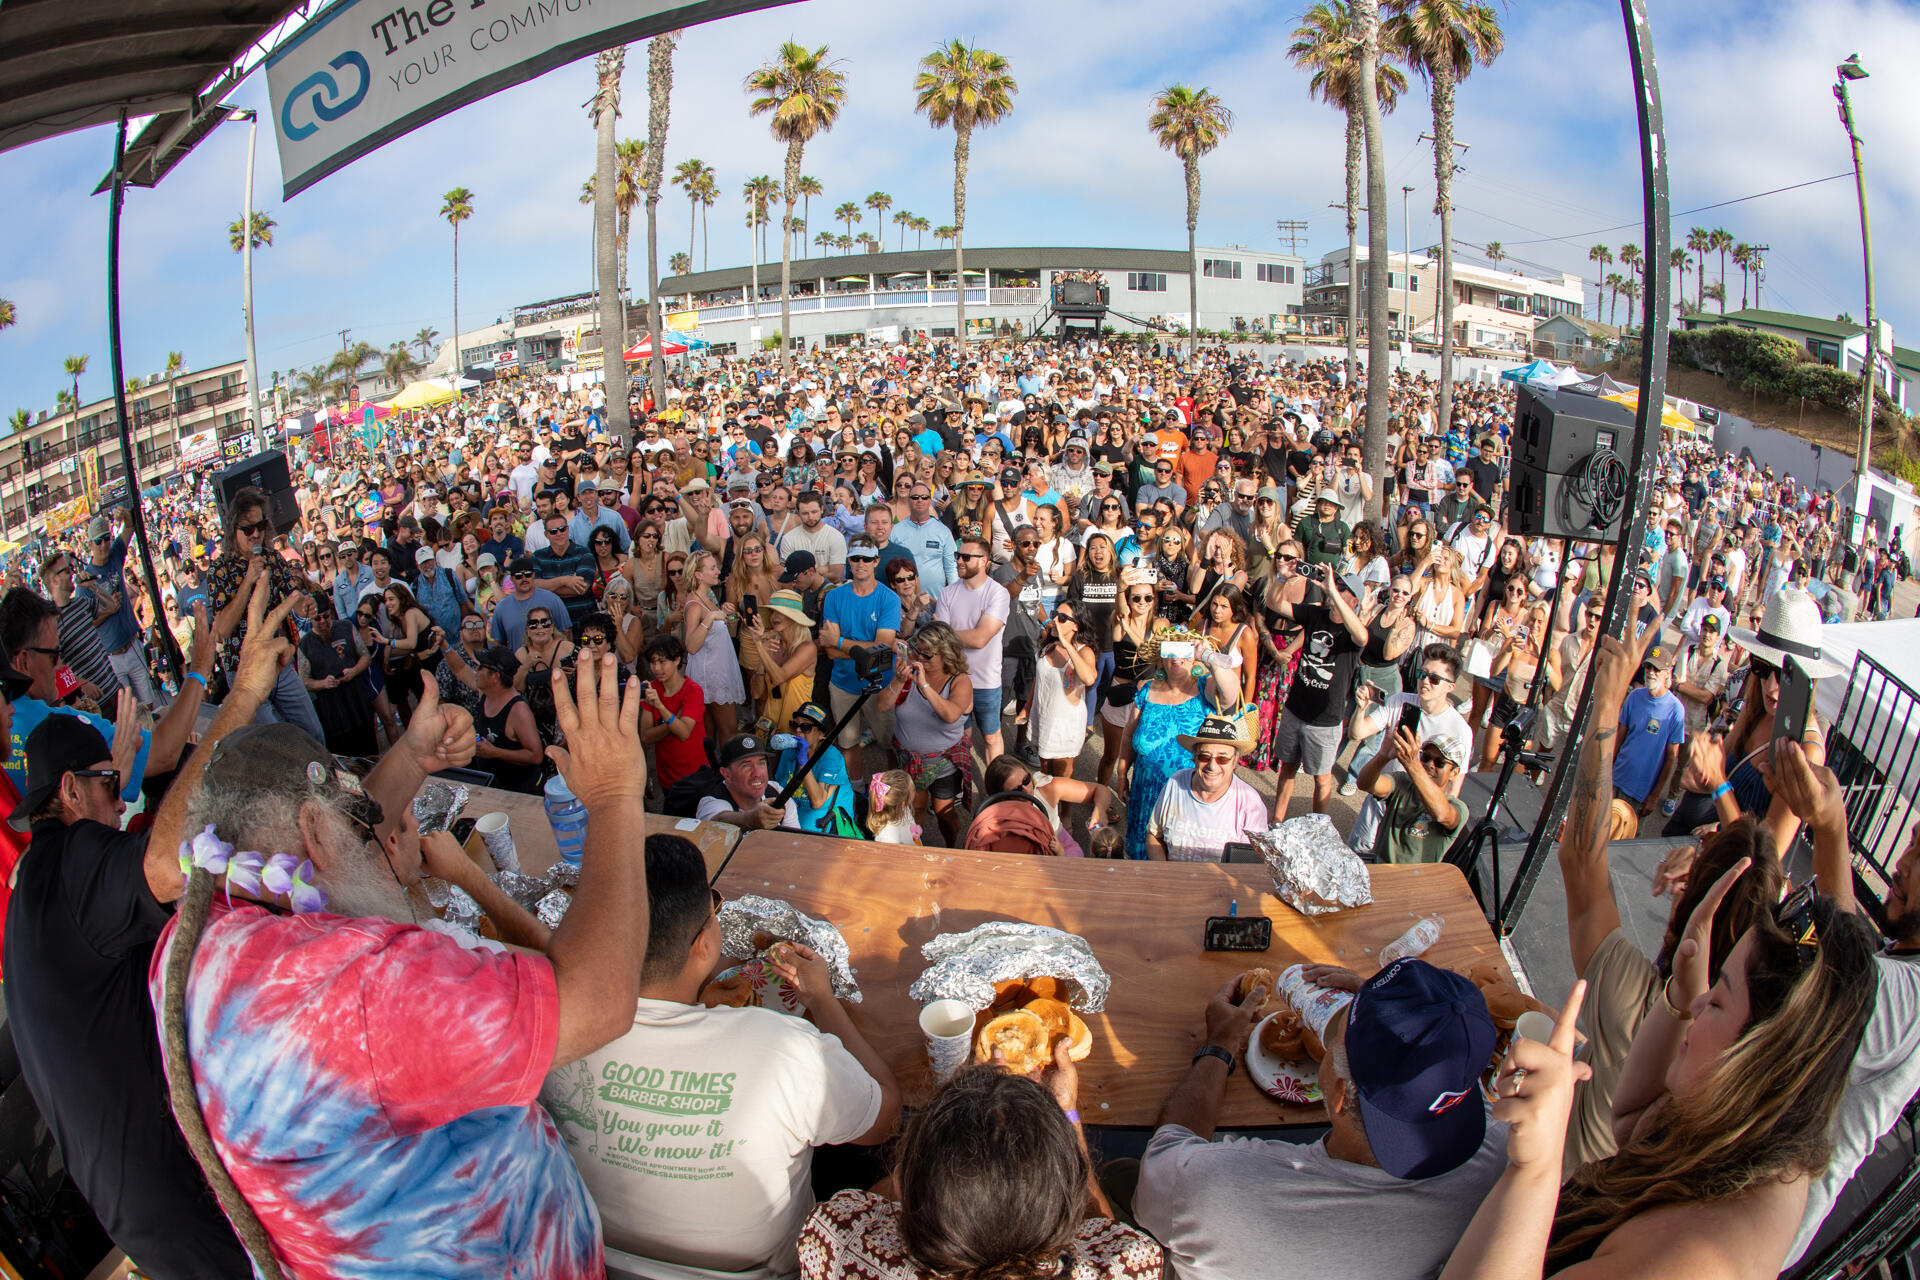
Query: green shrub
(1770, 364)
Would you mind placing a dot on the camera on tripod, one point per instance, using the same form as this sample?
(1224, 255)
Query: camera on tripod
(872, 665)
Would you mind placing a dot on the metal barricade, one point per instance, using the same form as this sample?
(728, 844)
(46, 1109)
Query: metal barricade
(1873, 747)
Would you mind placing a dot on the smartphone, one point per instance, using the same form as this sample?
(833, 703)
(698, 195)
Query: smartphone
(1237, 933)
(1791, 713)
(1410, 718)
(1176, 648)
(749, 606)
(461, 829)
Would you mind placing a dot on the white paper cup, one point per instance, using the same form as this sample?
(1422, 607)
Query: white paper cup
(497, 835)
(947, 1026)
(1533, 1025)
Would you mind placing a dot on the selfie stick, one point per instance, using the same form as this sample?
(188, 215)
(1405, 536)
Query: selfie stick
(874, 684)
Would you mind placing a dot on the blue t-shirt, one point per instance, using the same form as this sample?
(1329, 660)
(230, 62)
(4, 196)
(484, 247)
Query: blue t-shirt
(860, 619)
(1648, 726)
(27, 715)
(831, 773)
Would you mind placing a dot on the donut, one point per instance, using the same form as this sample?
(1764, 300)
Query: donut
(1311, 1042)
(1020, 1037)
(735, 992)
(1283, 1036)
(1249, 980)
(1062, 1022)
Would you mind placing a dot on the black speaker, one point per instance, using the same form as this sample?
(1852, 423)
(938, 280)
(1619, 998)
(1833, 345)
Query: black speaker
(268, 473)
(1571, 455)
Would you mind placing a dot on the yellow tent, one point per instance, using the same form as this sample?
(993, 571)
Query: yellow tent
(421, 395)
(1670, 417)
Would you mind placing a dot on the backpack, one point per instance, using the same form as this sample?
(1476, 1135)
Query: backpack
(1012, 822)
(683, 798)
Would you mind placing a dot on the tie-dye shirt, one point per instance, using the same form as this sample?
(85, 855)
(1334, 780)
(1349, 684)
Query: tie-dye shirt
(371, 1088)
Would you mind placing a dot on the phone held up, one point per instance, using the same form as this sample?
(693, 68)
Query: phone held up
(1795, 708)
(1410, 718)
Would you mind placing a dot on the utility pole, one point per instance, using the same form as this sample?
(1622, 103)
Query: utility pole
(1845, 73)
(1353, 289)
(1293, 231)
(1406, 283)
(1759, 271)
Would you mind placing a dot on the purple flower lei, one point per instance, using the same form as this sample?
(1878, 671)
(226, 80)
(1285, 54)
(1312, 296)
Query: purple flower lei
(281, 874)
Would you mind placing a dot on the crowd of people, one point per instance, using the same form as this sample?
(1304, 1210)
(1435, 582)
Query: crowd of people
(916, 578)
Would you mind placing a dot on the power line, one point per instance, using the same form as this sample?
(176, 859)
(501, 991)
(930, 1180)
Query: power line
(1684, 213)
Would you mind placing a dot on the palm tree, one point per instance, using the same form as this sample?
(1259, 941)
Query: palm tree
(681, 264)
(1379, 376)
(807, 188)
(1326, 43)
(175, 363)
(397, 365)
(824, 240)
(456, 207)
(1443, 40)
(1495, 254)
(604, 111)
(802, 93)
(1633, 261)
(843, 243)
(75, 366)
(848, 213)
(1190, 123)
(920, 227)
(1743, 259)
(1602, 256)
(758, 193)
(262, 231)
(63, 401)
(428, 340)
(705, 195)
(1677, 260)
(629, 184)
(1631, 289)
(969, 88)
(1721, 240)
(1716, 292)
(9, 314)
(20, 421)
(871, 241)
(1700, 241)
(945, 234)
(692, 176)
(659, 87)
(903, 220)
(879, 202)
(1615, 283)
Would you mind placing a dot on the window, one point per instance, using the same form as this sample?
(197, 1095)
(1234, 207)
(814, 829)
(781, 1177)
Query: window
(1397, 280)
(1548, 307)
(1274, 272)
(1510, 302)
(1220, 268)
(1147, 281)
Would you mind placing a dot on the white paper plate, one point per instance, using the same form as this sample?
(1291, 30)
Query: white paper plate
(1292, 1082)
(772, 991)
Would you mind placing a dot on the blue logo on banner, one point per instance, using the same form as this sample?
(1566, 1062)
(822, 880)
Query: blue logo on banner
(331, 106)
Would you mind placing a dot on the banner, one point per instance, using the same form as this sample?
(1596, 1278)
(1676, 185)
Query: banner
(366, 71)
(683, 320)
(198, 449)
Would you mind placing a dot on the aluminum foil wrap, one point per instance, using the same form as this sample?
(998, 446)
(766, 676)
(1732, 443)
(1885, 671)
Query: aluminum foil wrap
(964, 966)
(437, 805)
(743, 917)
(563, 875)
(460, 909)
(1314, 871)
(553, 907)
(524, 890)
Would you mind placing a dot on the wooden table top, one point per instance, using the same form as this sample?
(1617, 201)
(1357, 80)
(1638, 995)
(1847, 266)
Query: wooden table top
(1143, 920)
(533, 835)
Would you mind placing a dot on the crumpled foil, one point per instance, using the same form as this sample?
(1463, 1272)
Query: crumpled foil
(563, 875)
(437, 805)
(743, 917)
(551, 908)
(1313, 870)
(461, 909)
(964, 966)
(525, 890)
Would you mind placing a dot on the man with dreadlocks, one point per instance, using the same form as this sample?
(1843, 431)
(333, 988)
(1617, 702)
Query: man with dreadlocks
(359, 1090)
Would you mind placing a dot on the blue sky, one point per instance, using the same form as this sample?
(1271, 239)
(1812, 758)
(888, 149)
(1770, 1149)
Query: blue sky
(1554, 154)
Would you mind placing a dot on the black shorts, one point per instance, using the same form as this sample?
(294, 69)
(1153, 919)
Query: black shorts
(946, 786)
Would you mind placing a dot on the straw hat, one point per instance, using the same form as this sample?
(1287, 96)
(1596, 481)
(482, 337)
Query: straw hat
(1220, 729)
(1790, 628)
(790, 604)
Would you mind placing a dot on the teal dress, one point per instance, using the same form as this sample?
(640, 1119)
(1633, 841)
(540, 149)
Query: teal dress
(1158, 755)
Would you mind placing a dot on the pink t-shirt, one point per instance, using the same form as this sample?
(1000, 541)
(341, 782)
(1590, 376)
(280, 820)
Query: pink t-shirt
(1194, 831)
(371, 1088)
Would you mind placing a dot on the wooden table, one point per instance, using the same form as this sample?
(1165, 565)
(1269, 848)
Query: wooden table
(533, 835)
(1143, 920)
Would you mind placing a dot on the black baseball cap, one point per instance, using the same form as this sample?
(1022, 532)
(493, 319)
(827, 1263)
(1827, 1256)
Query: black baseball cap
(58, 745)
(798, 562)
(742, 746)
(497, 657)
(1418, 1038)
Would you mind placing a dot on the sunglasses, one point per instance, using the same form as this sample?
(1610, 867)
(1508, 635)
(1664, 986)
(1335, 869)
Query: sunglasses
(254, 530)
(1434, 676)
(1764, 669)
(114, 774)
(1026, 544)
(522, 573)
(1433, 759)
(593, 640)
(539, 622)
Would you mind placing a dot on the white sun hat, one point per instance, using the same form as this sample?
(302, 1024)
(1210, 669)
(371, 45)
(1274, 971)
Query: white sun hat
(1790, 628)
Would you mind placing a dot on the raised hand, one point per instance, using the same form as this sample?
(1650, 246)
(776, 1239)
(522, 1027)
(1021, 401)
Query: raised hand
(1535, 1091)
(265, 649)
(1692, 965)
(126, 734)
(602, 762)
(439, 736)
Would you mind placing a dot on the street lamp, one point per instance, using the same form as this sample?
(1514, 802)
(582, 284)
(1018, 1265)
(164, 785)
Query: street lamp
(1845, 73)
(246, 271)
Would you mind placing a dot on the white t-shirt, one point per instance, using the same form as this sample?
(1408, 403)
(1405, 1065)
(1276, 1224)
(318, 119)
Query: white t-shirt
(1448, 724)
(1194, 830)
(694, 1132)
(523, 478)
(963, 608)
(828, 545)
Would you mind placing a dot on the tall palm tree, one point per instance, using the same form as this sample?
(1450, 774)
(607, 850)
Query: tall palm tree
(1379, 375)
(75, 366)
(1632, 290)
(1615, 283)
(659, 87)
(903, 220)
(705, 194)
(1190, 123)
(802, 93)
(262, 231)
(9, 314)
(945, 234)
(758, 193)
(920, 227)
(629, 185)
(1677, 260)
(1633, 261)
(848, 213)
(843, 243)
(456, 206)
(1443, 40)
(681, 264)
(1326, 43)
(1720, 241)
(428, 340)
(1700, 241)
(879, 202)
(1603, 257)
(1495, 253)
(176, 361)
(692, 176)
(604, 111)
(1743, 259)
(824, 240)
(969, 88)
(807, 188)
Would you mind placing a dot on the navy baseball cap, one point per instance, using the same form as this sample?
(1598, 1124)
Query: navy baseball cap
(1417, 1040)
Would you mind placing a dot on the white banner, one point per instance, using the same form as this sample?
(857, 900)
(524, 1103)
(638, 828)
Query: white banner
(363, 73)
(198, 449)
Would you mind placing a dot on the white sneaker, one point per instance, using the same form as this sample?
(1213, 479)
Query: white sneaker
(1350, 786)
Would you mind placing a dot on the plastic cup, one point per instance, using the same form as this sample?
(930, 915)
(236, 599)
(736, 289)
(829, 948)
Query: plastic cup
(1533, 1025)
(497, 835)
(947, 1026)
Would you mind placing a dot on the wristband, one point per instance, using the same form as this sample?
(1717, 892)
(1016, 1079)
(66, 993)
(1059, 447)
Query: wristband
(1666, 1002)
(1721, 790)
(1215, 1051)
(1073, 1117)
(200, 679)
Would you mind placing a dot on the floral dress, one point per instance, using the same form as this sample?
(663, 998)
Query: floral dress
(1158, 755)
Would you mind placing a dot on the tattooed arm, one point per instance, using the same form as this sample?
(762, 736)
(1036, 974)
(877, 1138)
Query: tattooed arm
(1591, 911)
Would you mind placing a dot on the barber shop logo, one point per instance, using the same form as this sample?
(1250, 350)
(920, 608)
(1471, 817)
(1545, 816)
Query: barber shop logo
(322, 91)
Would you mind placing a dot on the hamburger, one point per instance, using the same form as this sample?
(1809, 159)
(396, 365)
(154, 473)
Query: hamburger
(1019, 1037)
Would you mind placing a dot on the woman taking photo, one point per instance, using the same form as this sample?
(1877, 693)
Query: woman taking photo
(1094, 593)
(1134, 661)
(916, 606)
(934, 695)
(752, 579)
(411, 639)
(629, 636)
(784, 633)
(1439, 606)
(1515, 660)
(1503, 617)
(1067, 667)
(711, 662)
(1287, 585)
(1193, 679)
(1231, 628)
(1223, 560)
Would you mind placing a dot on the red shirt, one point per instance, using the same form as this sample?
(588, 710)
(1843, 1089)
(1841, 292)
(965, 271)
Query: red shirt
(677, 759)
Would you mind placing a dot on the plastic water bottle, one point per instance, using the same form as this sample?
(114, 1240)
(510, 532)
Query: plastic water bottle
(568, 818)
(1412, 942)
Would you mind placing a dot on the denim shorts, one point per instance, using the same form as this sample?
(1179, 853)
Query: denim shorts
(986, 709)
